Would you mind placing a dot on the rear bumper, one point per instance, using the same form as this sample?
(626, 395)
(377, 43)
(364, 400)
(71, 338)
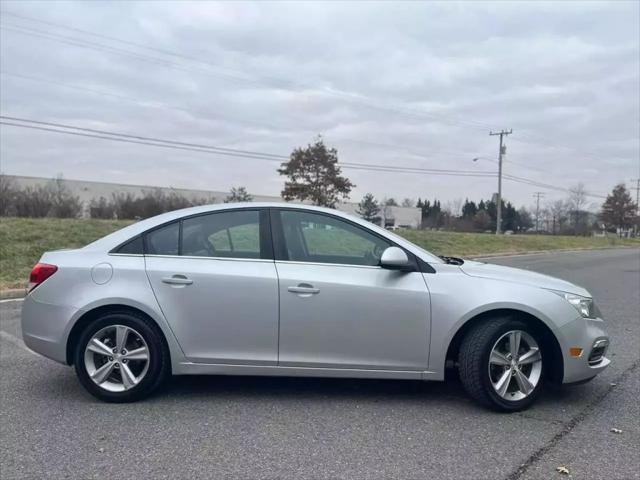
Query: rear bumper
(590, 336)
(45, 328)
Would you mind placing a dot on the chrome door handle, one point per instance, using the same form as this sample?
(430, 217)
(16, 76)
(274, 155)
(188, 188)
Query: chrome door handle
(177, 280)
(304, 289)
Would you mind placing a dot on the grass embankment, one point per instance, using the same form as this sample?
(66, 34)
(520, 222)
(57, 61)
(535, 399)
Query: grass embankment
(475, 244)
(22, 242)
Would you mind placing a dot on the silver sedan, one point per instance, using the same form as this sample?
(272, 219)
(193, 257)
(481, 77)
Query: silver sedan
(280, 289)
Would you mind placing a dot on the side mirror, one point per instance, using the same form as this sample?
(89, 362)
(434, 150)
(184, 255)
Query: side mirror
(394, 258)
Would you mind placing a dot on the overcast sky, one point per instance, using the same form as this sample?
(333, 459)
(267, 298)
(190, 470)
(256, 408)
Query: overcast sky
(408, 84)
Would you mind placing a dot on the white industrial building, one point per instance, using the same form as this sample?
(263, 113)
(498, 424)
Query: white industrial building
(394, 217)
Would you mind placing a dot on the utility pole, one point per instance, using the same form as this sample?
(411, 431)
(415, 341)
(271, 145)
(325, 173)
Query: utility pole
(501, 152)
(538, 195)
(637, 189)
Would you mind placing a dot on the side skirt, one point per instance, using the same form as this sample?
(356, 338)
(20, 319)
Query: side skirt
(187, 368)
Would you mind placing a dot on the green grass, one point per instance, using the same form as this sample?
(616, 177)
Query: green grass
(22, 242)
(473, 244)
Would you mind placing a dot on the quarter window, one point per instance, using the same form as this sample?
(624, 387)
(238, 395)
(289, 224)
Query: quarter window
(312, 237)
(132, 247)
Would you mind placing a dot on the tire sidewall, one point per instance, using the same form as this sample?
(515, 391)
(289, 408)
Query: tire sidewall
(500, 402)
(154, 344)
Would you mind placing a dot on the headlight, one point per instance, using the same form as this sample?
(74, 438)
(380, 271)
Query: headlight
(584, 305)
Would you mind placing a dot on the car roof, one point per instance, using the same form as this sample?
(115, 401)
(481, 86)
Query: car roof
(119, 237)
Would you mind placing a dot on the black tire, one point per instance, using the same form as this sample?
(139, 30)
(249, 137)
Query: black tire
(159, 359)
(475, 351)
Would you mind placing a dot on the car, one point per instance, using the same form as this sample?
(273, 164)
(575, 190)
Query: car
(295, 290)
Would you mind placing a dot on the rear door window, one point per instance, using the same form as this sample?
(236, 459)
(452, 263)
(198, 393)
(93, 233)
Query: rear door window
(233, 234)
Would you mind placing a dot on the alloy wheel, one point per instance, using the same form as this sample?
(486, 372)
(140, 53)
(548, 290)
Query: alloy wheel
(515, 365)
(116, 358)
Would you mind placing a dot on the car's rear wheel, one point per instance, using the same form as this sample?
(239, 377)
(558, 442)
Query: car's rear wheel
(121, 357)
(501, 364)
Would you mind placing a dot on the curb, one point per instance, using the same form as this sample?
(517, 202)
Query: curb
(13, 293)
(545, 252)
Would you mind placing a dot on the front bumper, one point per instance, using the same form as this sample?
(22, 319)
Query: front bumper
(590, 336)
(45, 328)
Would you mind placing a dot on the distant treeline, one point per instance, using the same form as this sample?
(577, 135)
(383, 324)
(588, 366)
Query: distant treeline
(473, 216)
(54, 199)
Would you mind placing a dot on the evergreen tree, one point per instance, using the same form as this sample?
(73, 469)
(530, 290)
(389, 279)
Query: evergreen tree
(368, 209)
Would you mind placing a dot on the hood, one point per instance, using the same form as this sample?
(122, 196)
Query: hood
(517, 275)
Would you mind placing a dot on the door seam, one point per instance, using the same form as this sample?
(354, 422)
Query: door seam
(279, 303)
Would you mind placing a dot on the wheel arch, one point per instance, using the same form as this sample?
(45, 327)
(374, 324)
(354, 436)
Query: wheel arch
(550, 342)
(96, 312)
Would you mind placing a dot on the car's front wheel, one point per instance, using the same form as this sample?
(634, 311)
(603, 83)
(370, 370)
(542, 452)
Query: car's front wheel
(501, 364)
(121, 357)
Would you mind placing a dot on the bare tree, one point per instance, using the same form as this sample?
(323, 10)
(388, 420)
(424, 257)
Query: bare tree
(101, 208)
(482, 220)
(557, 215)
(453, 208)
(577, 197)
(8, 192)
(577, 204)
(408, 202)
(63, 203)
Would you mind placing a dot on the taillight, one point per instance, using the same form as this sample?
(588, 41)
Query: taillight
(39, 274)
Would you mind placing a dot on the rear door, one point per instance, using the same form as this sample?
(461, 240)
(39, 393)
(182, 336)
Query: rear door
(215, 280)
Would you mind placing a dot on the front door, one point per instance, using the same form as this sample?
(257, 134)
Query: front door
(216, 283)
(338, 307)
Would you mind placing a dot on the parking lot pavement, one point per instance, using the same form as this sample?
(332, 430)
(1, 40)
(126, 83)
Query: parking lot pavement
(251, 427)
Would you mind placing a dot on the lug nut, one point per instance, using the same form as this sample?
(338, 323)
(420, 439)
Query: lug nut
(111, 359)
(123, 352)
(115, 350)
(124, 360)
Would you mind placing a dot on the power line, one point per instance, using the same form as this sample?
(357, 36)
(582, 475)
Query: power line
(394, 147)
(164, 143)
(147, 139)
(125, 140)
(201, 148)
(535, 183)
(163, 106)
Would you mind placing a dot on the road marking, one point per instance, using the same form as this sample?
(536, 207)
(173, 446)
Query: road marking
(16, 342)
(11, 300)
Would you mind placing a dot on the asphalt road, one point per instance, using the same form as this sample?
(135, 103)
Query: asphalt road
(249, 427)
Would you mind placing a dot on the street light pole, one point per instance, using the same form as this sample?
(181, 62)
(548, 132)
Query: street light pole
(502, 133)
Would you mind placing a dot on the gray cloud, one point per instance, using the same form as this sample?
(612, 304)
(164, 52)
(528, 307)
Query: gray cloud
(414, 84)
